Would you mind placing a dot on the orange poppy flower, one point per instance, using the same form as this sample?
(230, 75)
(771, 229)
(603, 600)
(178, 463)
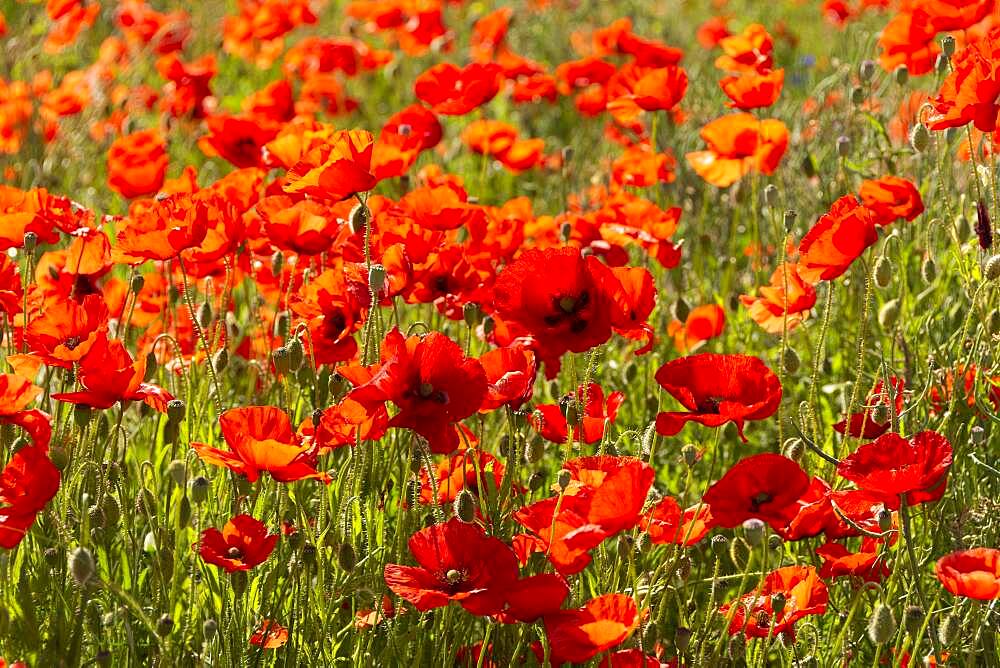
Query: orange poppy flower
(948, 15)
(522, 155)
(666, 524)
(641, 167)
(891, 198)
(261, 439)
(137, 164)
(838, 238)
(755, 616)
(736, 145)
(970, 94)
(489, 137)
(238, 140)
(753, 90)
(11, 291)
(748, 51)
(306, 227)
(909, 40)
(269, 635)
(161, 229)
(16, 393)
(455, 91)
(576, 636)
(633, 89)
(335, 170)
(703, 323)
(27, 483)
(768, 308)
(66, 330)
(971, 573)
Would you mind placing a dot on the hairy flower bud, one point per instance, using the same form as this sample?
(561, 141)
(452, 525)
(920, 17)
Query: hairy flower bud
(882, 624)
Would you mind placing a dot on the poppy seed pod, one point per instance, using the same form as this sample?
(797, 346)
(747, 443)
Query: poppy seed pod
(282, 321)
(30, 241)
(199, 489)
(534, 450)
(346, 557)
(948, 46)
(771, 195)
(888, 314)
(489, 324)
(928, 270)
(296, 353)
(884, 519)
(754, 530)
(81, 415)
(882, 273)
(866, 71)
(901, 75)
(535, 481)
(857, 96)
(376, 278)
(882, 624)
(991, 270)
(949, 629)
(175, 410)
(913, 618)
(205, 314)
(209, 628)
(177, 471)
(358, 218)
(81, 565)
(465, 506)
(920, 137)
(136, 283)
(843, 146)
(977, 435)
(791, 361)
(472, 314)
(690, 454)
(681, 309)
(719, 544)
(563, 479)
(789, 220)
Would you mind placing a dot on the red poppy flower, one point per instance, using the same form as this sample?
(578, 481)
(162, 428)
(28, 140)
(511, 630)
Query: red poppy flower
(971, 573)
(909, 39)
(269, 635)
(665, 523)
(754, 615)
(27, 484)
(768, 308)
(137, 164)
(838, 238)
(306, 227)
(765, 486)
(347, 421)
(641, 167)
(238, 140)
(11, 290)
(459, 472)
(533, 597)
(242, 544)
(414, 126)
(551, 422)
(867, 563)
(560, 297)
(431, 382)
(948, 15)
(335, 170)
(261, 439)
(717, 389)
(606, 495)
(65, 332)
(736, 145)
(455, 91)
(457, 562)
(753, 90)
(161, 229)
(970, 93)
(109, 375)
(864, 424)
(510, 376)
(634, 295)
(891, 198)
(16, 393)
(893, 465)
(576, 636)
(35, 210)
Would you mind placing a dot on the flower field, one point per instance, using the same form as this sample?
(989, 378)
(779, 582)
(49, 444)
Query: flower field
(516, 333)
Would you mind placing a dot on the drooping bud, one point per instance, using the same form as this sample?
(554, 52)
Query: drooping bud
(753, 531)
(346, 557)
(843, 146)
(884, 519)
(866, 71)
(175, 410)
(681, 309)
(465, 506)
(882, 274)
(913, 618)
(358, 218)
(950, 629)
(376, 278)
(690, 454)
(199, 487)
(901, 75)
(563, 479)
(991, 269)
(790, 360)
(882, 624)
(280, 359)
(209, 628)
(81, 565)
(205, 314)
(928, 270)
(888, 314)
(177, 470)
(771, 195)
(793, 448)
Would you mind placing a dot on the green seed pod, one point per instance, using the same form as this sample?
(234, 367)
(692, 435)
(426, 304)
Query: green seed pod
(535, 481)
(489, 324)
(913, 619)
(719, 544)
(788, 221)
(565, 232)
(857, 96)
(346, 557)
(220, 360)
(205, 314)
(793, 448)
(177, 470)
(111, 511)
(993, 322)
(882, 274)
(376, 278)
(534, 450)
(977, 435)
(950, 629)
(277, 263)
(928, 270)
(948, 46)
(682, 639)
(884, 519)
(183, 512)
(136, 283)
(771, 195)
(866, 71)
(882, 624)
(901, 75)
(920, 137)
(30, 241)
(630, 372)
(296, 354)
(58, 457)
(754, 531)
(690, 454)
(843, 146)
(472, 313)
(199, 487)
(681, 309)
(790, 360)
(81, 565)
(280, 357)
(209, 628)
(175, 410)
(358, 219)
(888, 314)
(465, 506)
(991, 269)
(81, 415)
(563, 479)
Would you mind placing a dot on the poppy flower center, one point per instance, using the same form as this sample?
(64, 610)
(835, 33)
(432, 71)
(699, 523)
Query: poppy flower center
(454, 577)
(72, 342)
(234, 553)
(759, 500)
(426, 390)
(567, 304)
(709, 404)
